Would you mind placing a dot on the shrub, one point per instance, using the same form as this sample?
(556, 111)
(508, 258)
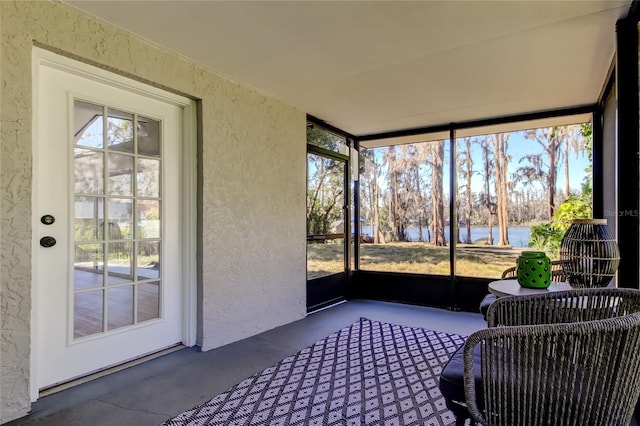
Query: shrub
(548, 236)
(544, 237)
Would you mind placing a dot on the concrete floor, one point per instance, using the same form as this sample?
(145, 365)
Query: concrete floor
(152, 392)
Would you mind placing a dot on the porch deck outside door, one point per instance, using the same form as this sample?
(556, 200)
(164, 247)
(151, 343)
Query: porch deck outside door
(107, 184)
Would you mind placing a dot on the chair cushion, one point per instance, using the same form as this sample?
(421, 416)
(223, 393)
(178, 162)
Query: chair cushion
(635, 420)
(484, 305)
(451, 379)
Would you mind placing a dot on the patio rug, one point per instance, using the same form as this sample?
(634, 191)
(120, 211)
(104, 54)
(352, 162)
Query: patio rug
(370, 373)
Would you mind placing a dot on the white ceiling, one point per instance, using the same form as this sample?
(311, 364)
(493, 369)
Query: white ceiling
(369, 67)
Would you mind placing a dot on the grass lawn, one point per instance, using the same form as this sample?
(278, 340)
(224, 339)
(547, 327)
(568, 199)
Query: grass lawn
(472, 261)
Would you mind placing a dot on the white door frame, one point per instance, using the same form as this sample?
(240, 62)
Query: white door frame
(41, 57)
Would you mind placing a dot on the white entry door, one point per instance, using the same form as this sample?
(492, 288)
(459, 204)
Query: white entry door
(107, 222)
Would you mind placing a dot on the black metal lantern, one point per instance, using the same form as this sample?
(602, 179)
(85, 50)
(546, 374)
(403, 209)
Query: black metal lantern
(589, 253)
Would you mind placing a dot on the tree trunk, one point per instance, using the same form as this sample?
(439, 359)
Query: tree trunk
(468, 176)
(437, 194)
(457, 224)
(500, 157)
(394, 202)
(419, 203)
(490, 225)
(567, 188)
(487, 191)
(548, 138)
(551, 181)
(376, 214)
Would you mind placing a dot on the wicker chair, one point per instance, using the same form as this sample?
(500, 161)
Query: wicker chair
(557, 274)
(581, 306)
(583, 373)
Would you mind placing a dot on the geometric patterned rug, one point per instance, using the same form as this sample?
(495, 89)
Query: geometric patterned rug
(370, 373)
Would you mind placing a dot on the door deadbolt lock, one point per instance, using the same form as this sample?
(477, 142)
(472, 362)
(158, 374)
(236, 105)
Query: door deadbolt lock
(47, 219)
(47, 242)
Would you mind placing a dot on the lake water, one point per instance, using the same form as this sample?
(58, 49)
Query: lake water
(518, 235)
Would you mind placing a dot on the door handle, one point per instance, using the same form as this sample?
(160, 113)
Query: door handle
(47, 242)
(47, 219)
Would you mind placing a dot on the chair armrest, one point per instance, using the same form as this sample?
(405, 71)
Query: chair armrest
(509, 273)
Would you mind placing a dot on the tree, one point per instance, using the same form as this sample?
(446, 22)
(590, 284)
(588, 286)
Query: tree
(485, 198)
(501, 162)
(119, 131)
(587, 134)
(370, 193)
(397, 211)
(417, 155)
(537, 169)
(377, 237)
(411, 189)
(419, 201)
(325, 185)
(406, 200)
(435, 159)
(572, 141)
(465, 167)
(324, 194)
(320, 137)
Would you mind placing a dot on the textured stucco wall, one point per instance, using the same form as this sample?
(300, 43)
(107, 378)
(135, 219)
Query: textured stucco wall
(253, 166)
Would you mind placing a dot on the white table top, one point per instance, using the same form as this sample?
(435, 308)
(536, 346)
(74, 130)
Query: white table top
(512, 288)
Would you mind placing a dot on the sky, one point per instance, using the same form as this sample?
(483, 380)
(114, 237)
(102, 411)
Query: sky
(518, 147)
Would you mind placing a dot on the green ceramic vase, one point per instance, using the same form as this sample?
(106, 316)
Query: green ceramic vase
(534, 269)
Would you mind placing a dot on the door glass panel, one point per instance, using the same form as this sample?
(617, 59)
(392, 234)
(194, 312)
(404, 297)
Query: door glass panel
(119, 307)
(89, 266)
(88, 313)
(120, 174)
(148, 136)
(148, 260)
(148, 219)
(89, 216)
(148, 301)
(120, 263)
(120, 131)
(325, 217)
(88, 171)
(120, 219)
(89, 124)
(148, 178)
(132, 255)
